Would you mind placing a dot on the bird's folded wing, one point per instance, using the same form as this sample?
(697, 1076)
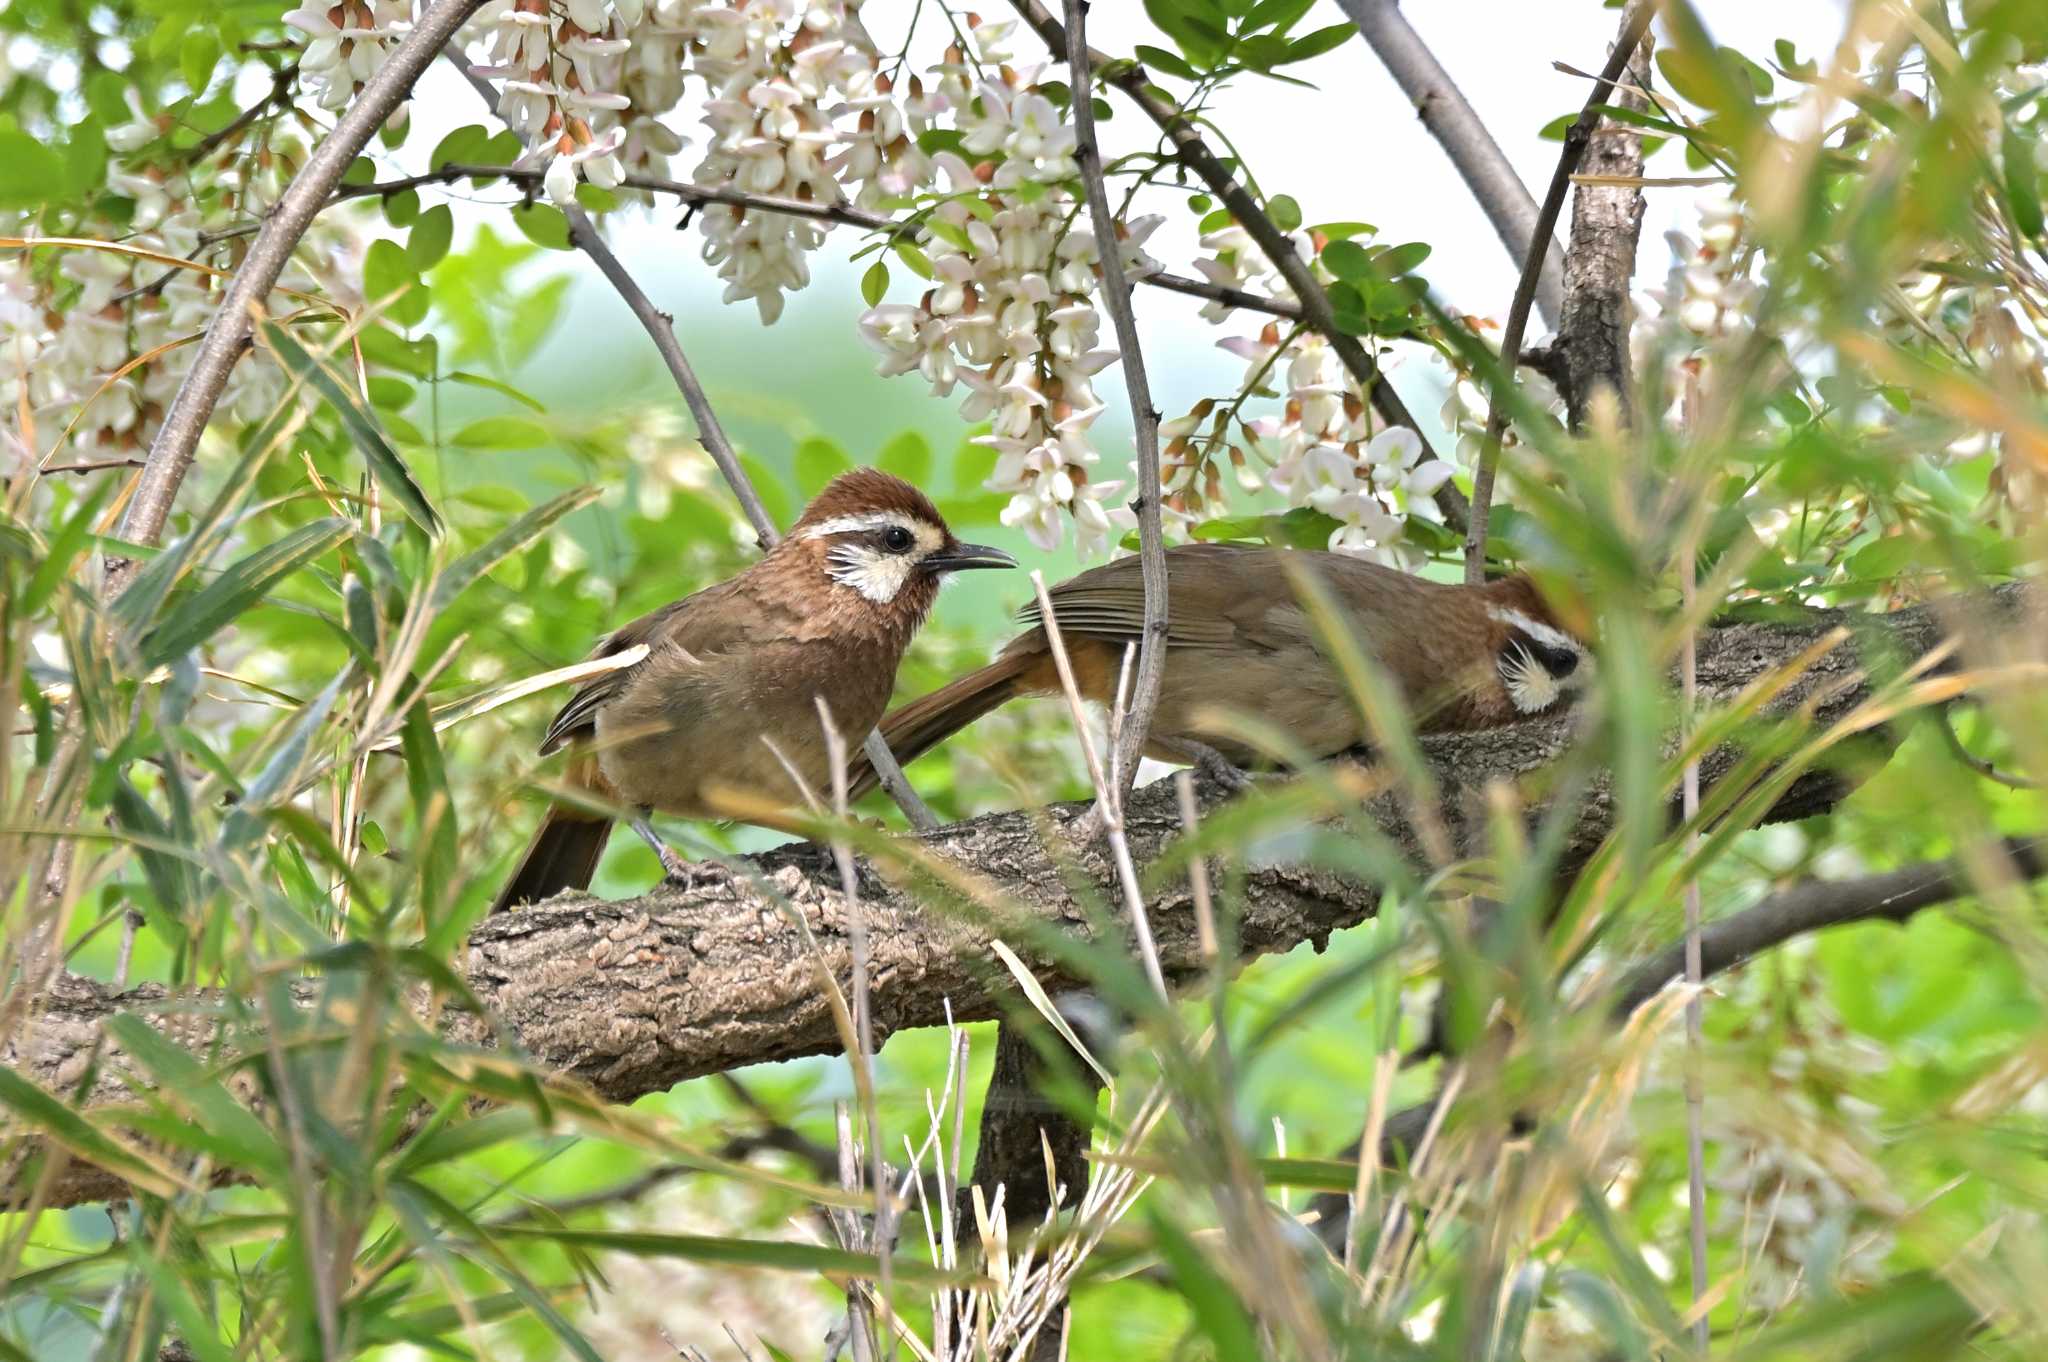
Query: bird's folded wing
(681, 626)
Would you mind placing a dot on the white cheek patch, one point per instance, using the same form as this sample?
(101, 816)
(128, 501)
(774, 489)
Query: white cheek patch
(1530, 687)
(877, 576)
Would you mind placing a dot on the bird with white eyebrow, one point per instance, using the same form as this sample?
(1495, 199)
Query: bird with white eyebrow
(719, 712)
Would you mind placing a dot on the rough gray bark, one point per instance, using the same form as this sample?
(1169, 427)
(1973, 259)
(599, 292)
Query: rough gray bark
(1591, 351)
(631, 997)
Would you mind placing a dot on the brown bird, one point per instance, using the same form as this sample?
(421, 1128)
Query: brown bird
(1238, 638)
(732, 675)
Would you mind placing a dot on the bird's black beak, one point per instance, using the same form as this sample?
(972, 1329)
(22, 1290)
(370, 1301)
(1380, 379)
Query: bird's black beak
(954, 557)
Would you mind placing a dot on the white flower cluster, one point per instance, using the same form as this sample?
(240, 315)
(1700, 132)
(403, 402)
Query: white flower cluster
(346, 43)
(1321, 451)
(796, 103)
(67, 335)
(1707, 293)
(1010, 316)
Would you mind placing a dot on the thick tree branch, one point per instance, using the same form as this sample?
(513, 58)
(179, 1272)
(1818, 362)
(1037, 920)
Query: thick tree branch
(632, 997)
(1633, 26)
(1458, 129)
(1592, 345)
(1194, 153)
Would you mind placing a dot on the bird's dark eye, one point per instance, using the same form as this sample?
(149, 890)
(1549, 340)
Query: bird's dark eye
(896, 539)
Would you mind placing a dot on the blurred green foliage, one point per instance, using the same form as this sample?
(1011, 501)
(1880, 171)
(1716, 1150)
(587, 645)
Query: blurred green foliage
(249, 791)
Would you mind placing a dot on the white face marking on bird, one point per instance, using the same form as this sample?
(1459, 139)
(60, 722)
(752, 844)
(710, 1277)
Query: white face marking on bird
(1539, 664)
(878, 550)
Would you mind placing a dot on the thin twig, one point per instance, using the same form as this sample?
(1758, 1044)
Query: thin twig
(1136, 721)
(1195, 154)
(281, 82)
(1633, 25)
(1989, 770)
(1459, 130)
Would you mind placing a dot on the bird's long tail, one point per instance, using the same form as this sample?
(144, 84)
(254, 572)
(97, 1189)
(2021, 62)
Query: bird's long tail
(929, 720)
(564, 852)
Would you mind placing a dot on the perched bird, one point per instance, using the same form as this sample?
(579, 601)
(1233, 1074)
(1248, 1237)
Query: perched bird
(731, 676)
(1464, 657)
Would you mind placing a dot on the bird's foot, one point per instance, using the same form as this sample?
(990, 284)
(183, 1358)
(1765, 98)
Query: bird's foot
(1213, 766)
(674, 869)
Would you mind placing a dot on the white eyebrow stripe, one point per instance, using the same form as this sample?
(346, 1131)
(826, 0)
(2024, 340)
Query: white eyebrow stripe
(1535, 629)
(867, 520)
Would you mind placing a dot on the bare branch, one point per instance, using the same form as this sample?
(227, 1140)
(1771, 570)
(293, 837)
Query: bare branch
(1116, 297)
(1633, 26)
(632, 997)
(1458, 129)
(1195, 154)
(1892, 896)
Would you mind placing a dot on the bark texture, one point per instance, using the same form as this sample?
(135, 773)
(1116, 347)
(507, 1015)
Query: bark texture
(1591, 351)
(634, 996)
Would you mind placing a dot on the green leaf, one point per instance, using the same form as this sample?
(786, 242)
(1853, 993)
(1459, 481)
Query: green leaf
(1159, 59)
(595, 198)
(435, 842)
(430, 238)
(1321, 41)
(1214, 1301)
(244, 585)
(280, 773)
(506, 542)
(1399, 260)
(403, 208)
(467, 145)
(502, 432)
(27, 170)
(385, 464)
(197, 57)
(1277, 15)
(390, 394)
(185, 1083)
(2022, 181)
(818, 461)
(918, 262)
(1284, 211)
(543, 225)
(908, 456)
(1347, 260)
(874, 285)
(788, 1255)
(494, 385)
(387, 270)
(70, 540)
